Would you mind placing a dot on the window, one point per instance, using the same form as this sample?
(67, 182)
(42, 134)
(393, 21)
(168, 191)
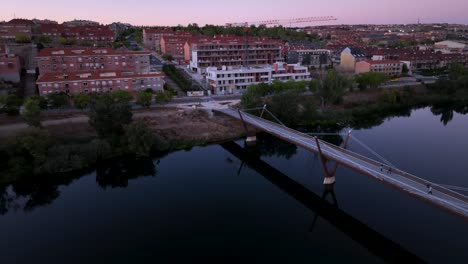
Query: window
(85, 84)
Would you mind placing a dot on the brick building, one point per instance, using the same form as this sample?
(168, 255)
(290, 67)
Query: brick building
(152, 37)
(9, 31)
(175, 45)
(81, 33)
(392, 68)
(10, 68)
(86, 59)
(98, 81)
(230, 51)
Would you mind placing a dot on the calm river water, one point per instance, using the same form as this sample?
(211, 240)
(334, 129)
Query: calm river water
(222, 203)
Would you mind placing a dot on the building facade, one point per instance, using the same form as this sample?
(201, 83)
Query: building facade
(228, 79)
(86, 59)
(152, 37)
(174, 45)
(10, 68)
(98, 82)
(391, 68)
(349, 57)
(79, 33)
(230, 51)
(316, 58)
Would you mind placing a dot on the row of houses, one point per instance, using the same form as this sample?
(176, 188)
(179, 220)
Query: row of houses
(89, 70)
(391, 61)
(79, 31)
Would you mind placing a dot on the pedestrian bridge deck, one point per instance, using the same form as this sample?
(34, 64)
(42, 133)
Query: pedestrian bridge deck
(444, 198)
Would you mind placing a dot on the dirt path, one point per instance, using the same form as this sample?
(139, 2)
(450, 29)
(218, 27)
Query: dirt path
(170, 124)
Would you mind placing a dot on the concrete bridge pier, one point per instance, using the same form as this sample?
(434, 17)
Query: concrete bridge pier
(251, 140)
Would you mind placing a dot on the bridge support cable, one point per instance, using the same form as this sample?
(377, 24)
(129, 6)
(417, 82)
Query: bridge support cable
(373, 152)
(453, 187)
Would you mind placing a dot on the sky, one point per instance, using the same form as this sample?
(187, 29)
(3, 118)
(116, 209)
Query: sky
(183, 12)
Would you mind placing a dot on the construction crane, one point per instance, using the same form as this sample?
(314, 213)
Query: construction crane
(283, 21)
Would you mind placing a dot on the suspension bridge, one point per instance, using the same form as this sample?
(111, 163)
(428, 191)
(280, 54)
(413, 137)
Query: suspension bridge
(435, 194)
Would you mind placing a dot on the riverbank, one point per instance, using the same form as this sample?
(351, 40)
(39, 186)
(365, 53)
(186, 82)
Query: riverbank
(74, 145)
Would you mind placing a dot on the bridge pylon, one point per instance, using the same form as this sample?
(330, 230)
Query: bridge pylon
(330, 177)
(251, 136)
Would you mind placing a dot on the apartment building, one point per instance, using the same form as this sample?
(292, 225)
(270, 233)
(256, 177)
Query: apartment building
(61, 60)
(229, 79)
(152, 37)
(230, 51)
(175, 45)
(10, 68)
(80, 33)
(98, 82)
(392, 68)
(310, 57)
(14, 27)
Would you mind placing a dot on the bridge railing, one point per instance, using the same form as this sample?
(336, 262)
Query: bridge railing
(402, 173)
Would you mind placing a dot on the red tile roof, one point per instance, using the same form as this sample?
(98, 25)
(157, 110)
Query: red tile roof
(93, 76)
(55, 52)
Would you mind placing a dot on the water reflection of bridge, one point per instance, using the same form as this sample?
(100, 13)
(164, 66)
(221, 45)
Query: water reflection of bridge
(441, 197)
(356, 230)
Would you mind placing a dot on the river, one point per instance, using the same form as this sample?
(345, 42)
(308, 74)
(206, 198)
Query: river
(226, 204)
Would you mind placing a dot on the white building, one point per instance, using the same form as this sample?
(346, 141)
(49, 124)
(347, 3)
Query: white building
(230, 79)
(449, 46)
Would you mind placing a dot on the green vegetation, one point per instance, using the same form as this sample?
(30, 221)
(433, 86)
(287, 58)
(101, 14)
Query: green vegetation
(140, 139)
(144, 98)
(277, 32)
(109, 115)
(172, 72)
(164, 97)
(331, 89)
(22, 38)
(167, 57)
(67, 41)
(58, 100)
(10, 104)
(31, 112)
(44, 39)
(122, 96)
(371, 79)
(35, 152)
(81, 101)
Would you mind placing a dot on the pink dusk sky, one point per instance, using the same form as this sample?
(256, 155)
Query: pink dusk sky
(167, 12)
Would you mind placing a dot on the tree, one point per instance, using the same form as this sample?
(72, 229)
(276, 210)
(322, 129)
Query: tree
(40, 100)
(32, 112)
(331, 89)
(58, 100)
(22, 38)
(44, 39)
(108, 116)
(10, 104)
(144, 98)
(122, 96)
(163, 97)
(35, 144)
(139, 138)
(81, 101)
(456, 70)
(167, 57)
(372, 79)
